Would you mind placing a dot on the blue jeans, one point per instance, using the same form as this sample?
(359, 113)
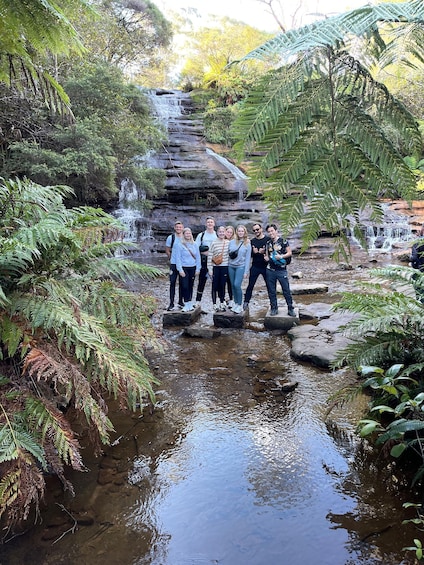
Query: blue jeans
(271, 281)
(236, 278)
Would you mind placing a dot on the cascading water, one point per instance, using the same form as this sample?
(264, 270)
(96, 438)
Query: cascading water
(240, 177)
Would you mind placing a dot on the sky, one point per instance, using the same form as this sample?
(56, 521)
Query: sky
(256, 14)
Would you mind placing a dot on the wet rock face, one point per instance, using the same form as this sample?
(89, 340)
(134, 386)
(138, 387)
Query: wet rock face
(193, 176)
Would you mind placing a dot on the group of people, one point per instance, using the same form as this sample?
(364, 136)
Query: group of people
(227, 257)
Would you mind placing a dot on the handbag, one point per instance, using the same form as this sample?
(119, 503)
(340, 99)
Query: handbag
(233, 254)
(217, 259)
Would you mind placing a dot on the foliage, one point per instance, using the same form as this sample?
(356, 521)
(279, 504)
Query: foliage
(31, 29)
(397, 407)
(112, 129)
(71, 336)
(212, 49)
(128, 34)
(388, 322)
(218, 124)
(315, 126)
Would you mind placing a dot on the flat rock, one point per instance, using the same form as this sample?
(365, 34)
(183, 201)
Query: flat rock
(315, 311)
(308, 288)
(228, 319)
(179, 318)
(208, 333)
(282, 321)
(319, 344)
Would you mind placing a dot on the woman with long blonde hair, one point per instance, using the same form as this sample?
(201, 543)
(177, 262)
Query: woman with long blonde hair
(239, 253)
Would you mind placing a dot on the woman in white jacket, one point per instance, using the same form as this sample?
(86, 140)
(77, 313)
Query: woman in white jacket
(188, 263)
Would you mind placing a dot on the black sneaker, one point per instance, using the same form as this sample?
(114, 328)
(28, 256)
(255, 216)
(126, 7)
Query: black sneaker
(291, 312)
(245, 305)
(170, 307)
(274, 311)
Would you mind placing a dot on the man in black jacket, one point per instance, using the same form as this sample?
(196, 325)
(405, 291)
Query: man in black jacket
(258, 261)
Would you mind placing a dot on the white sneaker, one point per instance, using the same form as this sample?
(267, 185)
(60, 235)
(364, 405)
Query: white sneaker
(222, 306)
(231, 304)
(188, 307)
(238, 309)
(216, 308)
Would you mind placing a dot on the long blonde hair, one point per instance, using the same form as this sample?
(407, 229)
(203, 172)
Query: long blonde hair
(245, 238)
(191, 234)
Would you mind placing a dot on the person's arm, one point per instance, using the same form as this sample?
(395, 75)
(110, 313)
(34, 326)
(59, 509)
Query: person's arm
(178, 259)
(247, 259)
(168, 248)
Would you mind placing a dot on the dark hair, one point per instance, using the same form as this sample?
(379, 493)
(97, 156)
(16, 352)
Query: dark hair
(271, 226)
(256, 224)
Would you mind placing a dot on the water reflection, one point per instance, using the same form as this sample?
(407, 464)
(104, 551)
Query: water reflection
(218, 475)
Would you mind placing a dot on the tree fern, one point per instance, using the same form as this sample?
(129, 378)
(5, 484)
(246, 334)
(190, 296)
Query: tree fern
(315, 126)
(388, 323)
(70, 332)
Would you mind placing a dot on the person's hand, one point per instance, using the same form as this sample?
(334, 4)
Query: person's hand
(182, 273)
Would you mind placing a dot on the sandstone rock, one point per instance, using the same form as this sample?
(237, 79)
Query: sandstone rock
(207, 333)
(282, 321)
(228, 319)
(180, 318)
(308, 288)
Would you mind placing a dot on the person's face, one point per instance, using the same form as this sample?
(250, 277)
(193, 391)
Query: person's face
(221, 233)
(241, 232)
(257, 230)
(272, 232)
(187, 234)
(178, 228)
(210, 224)
(229, 232)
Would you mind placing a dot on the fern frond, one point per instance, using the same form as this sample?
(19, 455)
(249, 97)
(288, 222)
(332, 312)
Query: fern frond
(53, 425)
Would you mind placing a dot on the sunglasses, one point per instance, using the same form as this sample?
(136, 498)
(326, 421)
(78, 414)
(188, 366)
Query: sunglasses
(256, 229)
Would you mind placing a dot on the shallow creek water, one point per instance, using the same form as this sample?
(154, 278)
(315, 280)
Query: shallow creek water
(217, 475)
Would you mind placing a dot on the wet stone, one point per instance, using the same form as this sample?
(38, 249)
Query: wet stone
(308, 288)
(180, 318)
(207, 333)
(230, 320)
(282, 321)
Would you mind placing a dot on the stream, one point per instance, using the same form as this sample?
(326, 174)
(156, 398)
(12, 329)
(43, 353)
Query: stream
(217, 474)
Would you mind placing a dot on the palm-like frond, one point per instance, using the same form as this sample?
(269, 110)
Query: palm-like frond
(314, 127)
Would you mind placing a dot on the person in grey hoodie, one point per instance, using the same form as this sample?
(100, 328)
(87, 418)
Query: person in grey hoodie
(239, 254)
(187, 260)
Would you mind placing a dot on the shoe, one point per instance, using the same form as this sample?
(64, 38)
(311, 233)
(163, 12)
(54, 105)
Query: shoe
(196, 305)
(231, 304)
(237, 309)
(188, 307)
(170, 308)
(291, 312)
(245, 305)
(179, 306)
(216, 308)
(223, 307)
(274, 312)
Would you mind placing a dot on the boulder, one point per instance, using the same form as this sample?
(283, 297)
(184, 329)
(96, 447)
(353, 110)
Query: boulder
(282, 321)
(179, 318)
(230, 320)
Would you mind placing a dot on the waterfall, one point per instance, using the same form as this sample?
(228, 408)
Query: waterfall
(130, 212)
(240, 183)
(395, 231)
